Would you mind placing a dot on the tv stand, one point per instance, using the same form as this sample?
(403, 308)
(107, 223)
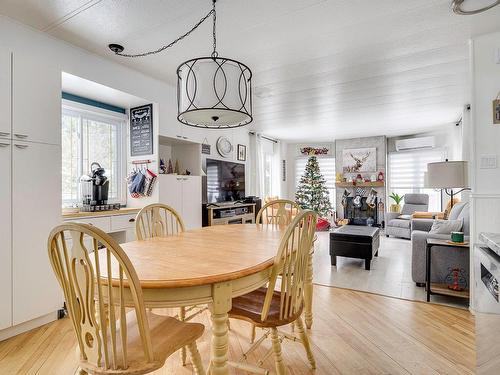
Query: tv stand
(230, 213)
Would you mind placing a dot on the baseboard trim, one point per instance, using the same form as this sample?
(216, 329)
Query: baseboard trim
(27, 326)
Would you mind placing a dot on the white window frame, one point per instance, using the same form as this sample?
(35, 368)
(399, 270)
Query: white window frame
(414, 189)
(100, 114)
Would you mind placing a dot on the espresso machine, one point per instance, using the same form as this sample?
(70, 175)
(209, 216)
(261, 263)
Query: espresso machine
(94, 189)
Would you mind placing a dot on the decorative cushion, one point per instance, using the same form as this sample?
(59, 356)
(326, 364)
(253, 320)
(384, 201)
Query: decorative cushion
(399, 223)
(446, 226)
(404, 217)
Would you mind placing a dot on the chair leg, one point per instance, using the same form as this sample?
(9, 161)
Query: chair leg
(305, 341)
(196, 358)
(182, 317)
(252, 334)
(278, 359)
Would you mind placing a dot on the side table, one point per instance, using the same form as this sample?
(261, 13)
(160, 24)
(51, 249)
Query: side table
(441, 288)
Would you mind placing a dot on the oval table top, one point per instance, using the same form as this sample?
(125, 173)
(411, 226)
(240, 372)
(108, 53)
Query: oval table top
(204, 256)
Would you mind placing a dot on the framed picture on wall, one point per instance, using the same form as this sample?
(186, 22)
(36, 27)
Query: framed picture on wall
(242, 152)
(496, 111)
(357, 160)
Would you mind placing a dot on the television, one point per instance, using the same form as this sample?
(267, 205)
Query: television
(225, 181)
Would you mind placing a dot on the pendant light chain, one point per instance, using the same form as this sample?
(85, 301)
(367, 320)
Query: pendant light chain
(163, 48)
(214, 53)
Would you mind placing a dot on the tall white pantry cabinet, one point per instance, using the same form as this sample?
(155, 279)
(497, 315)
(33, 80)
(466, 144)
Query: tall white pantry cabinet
(30, 187)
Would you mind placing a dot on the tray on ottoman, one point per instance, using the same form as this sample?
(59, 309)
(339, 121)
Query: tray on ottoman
(354, 241)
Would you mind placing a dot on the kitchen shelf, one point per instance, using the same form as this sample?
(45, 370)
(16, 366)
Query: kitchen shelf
(360, 184)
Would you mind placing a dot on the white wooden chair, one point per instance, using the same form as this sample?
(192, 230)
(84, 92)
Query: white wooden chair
(278, 212)
(268, 308)
(116, 335)
(158, 220)
(161, 220)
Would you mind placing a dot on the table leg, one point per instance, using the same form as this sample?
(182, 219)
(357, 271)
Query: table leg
(428, 272)
(308, 292)
(220, 340)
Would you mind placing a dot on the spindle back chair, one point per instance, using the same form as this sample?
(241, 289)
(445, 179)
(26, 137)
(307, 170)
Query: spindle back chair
(105, 303)
(158, 220)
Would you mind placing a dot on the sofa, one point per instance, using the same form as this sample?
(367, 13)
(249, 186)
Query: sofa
(444, 258)
(399, 224)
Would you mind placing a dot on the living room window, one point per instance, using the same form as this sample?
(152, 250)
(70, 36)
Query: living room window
(91, 135)
(406, 173)
(327, 169)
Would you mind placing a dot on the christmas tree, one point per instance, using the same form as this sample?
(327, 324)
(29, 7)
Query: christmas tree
(312, 193)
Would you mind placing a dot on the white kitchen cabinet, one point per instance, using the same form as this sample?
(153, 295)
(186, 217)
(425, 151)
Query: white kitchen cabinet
(191, 201)
(5, 236)
(183, 193)
(36, 99)
(36, 210)
(5, 90)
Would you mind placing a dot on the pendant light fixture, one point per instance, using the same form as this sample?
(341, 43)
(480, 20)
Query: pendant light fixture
(470, 7)
(212, 92)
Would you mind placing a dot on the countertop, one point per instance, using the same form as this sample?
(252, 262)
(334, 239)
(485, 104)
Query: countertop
(122, 211)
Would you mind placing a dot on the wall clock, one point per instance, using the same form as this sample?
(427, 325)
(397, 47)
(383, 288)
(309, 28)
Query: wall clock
(224, 147)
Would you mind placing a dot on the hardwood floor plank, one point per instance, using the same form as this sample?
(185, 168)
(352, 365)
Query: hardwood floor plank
(353, 333)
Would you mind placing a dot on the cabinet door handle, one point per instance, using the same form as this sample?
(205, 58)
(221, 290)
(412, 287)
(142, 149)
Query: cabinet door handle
(185, 137)
(21, 146)
(179, 136)
(131, 220)
(4, 144)
(4, 134)
(21, 135)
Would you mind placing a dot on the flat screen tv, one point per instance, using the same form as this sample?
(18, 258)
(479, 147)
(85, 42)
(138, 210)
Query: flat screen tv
(225, 181)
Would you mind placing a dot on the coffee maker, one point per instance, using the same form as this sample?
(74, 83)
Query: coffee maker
(94, 189)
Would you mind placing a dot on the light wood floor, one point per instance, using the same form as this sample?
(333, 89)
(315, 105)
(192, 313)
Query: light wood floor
(353, 333)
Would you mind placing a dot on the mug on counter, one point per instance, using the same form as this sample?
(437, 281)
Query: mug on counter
(457, 236)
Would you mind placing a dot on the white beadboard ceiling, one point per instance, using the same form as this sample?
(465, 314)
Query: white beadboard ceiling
(323, 69)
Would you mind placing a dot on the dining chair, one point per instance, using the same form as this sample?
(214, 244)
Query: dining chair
(158, 220)
(278, 212)
(282, 301)
(161, 220)
(104, 300)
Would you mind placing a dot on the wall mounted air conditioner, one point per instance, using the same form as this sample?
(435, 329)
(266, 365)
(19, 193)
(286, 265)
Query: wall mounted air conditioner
(415, 143)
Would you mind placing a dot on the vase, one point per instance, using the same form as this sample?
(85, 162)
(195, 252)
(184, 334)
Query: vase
(395, 208)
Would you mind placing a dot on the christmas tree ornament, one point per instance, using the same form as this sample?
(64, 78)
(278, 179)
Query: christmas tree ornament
(312, 193)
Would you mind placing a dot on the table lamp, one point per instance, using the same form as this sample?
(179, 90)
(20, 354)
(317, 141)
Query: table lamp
(448, 175)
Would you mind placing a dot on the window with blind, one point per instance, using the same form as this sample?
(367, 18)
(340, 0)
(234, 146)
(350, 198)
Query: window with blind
(91, 137)
(406, 174)
(327, 169)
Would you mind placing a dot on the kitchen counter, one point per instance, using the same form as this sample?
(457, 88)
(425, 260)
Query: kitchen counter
(77, 215)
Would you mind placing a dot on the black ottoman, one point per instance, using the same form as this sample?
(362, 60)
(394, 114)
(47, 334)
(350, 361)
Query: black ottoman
(354, 241)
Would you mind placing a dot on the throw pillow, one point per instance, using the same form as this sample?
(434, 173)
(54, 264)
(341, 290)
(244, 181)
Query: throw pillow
(404, 217)
(446, 226)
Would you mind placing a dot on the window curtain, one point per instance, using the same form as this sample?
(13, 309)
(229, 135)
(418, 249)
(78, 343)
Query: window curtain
(256, 186)
(265, 167)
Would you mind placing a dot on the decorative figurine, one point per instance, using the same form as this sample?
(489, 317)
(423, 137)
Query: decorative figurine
(163, 167)
(176, 168)
(170, 169)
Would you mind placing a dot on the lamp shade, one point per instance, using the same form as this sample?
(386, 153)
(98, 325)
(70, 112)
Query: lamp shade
(214, 93)
(447, 175)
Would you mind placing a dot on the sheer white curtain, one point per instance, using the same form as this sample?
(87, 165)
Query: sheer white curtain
(264, 166)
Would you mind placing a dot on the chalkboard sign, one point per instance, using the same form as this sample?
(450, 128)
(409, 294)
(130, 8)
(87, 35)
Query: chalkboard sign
(141, 130)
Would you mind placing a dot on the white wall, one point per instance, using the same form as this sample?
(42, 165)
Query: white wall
(485, 197)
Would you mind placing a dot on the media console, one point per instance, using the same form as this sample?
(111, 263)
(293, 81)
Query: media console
(228, 213)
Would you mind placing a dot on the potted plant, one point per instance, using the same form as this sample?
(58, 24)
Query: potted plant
(396, 207)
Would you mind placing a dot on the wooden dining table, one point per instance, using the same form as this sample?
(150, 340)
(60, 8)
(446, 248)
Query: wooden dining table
(210, 265)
